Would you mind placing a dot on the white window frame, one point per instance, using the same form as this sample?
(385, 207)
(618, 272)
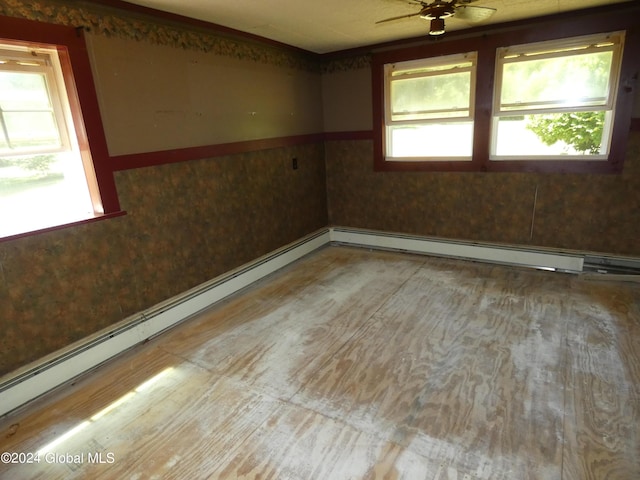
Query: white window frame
(24, 56)
(45, 62)
(427, 67)
(613, 42)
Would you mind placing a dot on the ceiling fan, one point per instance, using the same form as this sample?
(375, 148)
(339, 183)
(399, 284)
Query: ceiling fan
(438, 10)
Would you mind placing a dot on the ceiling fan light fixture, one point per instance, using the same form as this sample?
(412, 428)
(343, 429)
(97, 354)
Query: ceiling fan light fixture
(437, 26)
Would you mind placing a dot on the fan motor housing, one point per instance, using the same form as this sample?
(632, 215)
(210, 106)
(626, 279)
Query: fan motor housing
(437, 10)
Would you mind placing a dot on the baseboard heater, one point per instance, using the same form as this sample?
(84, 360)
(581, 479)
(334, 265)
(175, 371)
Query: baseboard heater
(36, 379)
(605, 264)
(501, 254)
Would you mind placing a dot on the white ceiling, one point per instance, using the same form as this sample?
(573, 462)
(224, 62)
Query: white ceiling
(324, 26)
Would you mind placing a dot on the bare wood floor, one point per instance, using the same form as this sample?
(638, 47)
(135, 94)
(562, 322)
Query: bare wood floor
(355, 364)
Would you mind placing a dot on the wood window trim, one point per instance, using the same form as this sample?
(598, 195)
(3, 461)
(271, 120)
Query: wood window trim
(485, 42)
(76, 68)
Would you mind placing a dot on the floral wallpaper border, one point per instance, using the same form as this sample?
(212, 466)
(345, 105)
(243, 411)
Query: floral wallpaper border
(346, 64)
(108, 21)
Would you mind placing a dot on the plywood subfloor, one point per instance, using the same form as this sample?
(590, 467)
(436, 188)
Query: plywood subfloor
(358, 364)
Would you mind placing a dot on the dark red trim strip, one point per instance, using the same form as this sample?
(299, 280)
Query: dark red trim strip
(635, 125)
(150, 159)
(355, 135)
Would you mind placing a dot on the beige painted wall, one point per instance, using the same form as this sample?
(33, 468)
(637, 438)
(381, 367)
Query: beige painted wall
(159, 97)
(346, 100)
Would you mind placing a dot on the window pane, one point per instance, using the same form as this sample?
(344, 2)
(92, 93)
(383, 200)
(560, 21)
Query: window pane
(568, 81)
(432, 140)
(27, 117)
(23, 91)
(437, 96)
(570, 134)
(32, 130)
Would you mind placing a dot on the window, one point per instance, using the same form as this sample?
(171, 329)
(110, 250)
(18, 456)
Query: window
(430, 107)
(555, 100)
(548, 95)
(43, 179)
(50, 175)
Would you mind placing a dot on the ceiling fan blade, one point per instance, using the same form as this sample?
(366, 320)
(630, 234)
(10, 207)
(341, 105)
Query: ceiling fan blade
(398, 18)
(472, 13)
(413, 2)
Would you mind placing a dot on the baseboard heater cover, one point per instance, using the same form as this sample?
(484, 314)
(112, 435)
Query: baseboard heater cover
(500, 254)
(608, 264)
(32, 381)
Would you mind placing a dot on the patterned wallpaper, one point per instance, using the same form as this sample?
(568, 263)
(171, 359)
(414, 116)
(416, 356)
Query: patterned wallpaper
(186, 223)
(598, 213)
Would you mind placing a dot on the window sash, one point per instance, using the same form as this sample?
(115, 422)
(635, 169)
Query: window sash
(611, 42)
(421, 129)
(453, 142)
(498, 154)
(430, 68)
(436, 111)
(34, 62)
